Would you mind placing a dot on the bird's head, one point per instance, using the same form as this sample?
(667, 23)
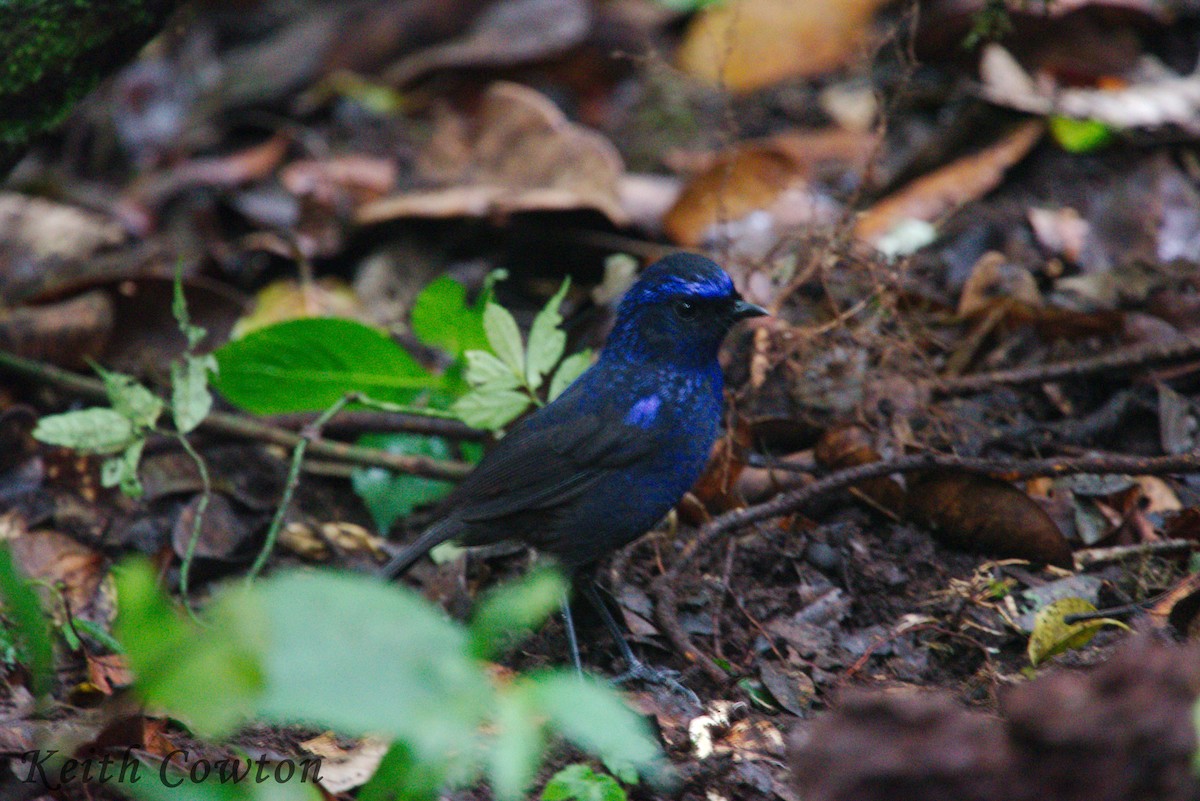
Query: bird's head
(678, 310)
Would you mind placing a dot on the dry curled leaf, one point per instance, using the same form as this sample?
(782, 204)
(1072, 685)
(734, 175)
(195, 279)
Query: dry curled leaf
(745, 45)
(965, 179)
(520, 153)
(850, 446)
(979, 513)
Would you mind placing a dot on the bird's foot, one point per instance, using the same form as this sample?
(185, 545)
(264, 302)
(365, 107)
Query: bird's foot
(659, 677)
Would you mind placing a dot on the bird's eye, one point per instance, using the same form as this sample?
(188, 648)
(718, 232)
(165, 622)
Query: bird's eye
(685, 309)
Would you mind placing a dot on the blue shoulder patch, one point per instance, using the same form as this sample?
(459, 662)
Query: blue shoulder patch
(643, 413)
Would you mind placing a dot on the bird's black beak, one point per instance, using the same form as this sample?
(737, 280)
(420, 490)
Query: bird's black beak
(743, 309)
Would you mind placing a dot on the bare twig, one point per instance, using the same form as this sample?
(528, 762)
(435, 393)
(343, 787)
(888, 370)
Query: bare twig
(359, 421)
(1119, 360)
(239, 426)
(796, 499)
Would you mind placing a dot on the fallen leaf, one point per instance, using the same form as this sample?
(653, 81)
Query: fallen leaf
(520, 153)
(291, 300)
(748, 179)
(60, 561)
(965, 179)
(55, 230)
(343, 769)
(979, 513)
(745, 45)
(849, 446)
(994, 278)
(352, 177)
(1052, 635)
(108, 671)
(67, 333)
(504, 34)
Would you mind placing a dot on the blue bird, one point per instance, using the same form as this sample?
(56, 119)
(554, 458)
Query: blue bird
(600, 465)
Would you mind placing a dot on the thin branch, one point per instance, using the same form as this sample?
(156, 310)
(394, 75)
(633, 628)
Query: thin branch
(309, 434)
(360, 421)
(794, 500)
(1119, 360)
(238, 426)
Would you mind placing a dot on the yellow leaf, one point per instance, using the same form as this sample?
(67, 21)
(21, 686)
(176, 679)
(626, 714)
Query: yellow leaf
(1052, 635)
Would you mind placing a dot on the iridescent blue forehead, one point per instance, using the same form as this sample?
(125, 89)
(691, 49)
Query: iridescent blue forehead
(682, 274)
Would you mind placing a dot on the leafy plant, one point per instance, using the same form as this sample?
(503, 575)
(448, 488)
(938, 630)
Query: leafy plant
(120, 431)
(579, 782)
(360, 656)
(389, 496)
(507, 380)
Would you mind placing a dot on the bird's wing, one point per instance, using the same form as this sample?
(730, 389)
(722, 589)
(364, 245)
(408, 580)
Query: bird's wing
(541, 466)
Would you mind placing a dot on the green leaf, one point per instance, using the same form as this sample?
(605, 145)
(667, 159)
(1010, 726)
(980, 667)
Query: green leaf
(579, 782)
(190, 399)
(571, 368)
(179, 309)
(22, 607)
(518, 745)
(442, 318)
(504, 337)
(546, 340)
(1079, 136)
(402, 776)
(389, 496)
(129, 398)
(590, 715)
(486, 370)
(513, 610)
(1052, 636)
(93, 430)
(122, 470)
(211, 677)
(490, 410)
(309, 364)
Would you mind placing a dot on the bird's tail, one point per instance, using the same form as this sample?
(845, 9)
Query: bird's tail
(432, 537)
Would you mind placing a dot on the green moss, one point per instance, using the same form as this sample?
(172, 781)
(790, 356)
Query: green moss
(53, 52)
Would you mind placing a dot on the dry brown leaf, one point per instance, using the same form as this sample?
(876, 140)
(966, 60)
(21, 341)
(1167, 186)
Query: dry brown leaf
(745, 45)
(934, 195)
(994, 278)
(60, 561)
(50, 229)
(979, 513)
(359, 178)
(850, 446)
(67, 333)
(520, 154)
(749, 178)
(343, 769)
(108, 671)
(1160, 98)
(504, 34)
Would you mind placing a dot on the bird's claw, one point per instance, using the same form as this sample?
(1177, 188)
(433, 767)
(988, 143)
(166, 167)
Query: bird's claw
(660, 677)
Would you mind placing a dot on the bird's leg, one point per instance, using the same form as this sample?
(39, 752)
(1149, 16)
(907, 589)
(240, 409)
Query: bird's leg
(636, 669)
(572, 641)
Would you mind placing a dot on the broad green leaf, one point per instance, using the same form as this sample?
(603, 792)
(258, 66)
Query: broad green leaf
(546, 340)
(486, 370)
(402, 776)
(129, 398)
(309, 364)
(1052, 636)
(122, 470)
(590, 715)
(489, 410)
(571, 368)
(513, 610)
(93, 430)
(579, 782)
(190, 399)
(517, 748)
(442, 318)
(211, 676)
(22, 607)
(389, 496)
(504, 337)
